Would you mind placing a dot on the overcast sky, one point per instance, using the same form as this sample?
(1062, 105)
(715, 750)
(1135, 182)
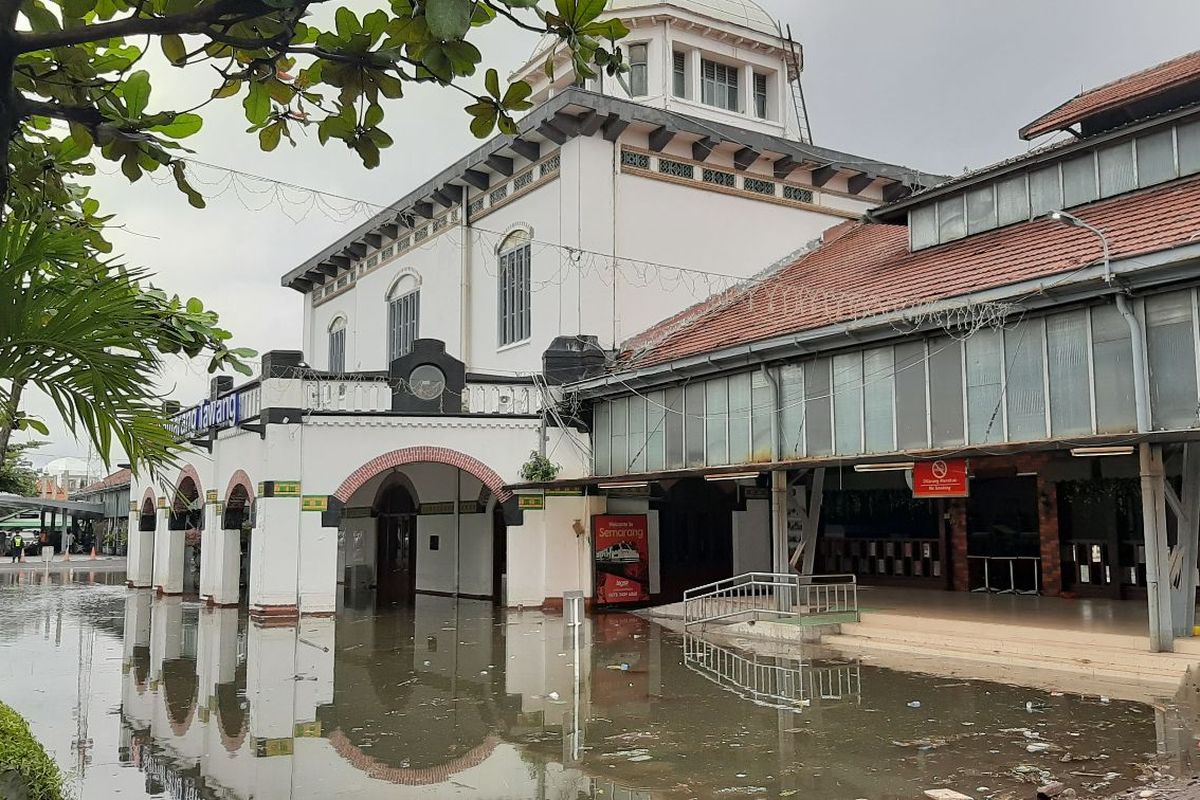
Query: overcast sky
(941, 85)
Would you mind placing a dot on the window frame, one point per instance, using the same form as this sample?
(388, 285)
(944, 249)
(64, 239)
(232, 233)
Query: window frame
(403, 322)
(730, 85)
(761, 93)
(514, 296)
(336, 338)
(639, 70)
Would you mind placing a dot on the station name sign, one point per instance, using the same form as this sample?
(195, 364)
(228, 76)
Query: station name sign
(209, 415)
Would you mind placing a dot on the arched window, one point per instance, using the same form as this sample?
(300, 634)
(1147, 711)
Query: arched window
(513, 284)
(404, 316)
(337, 345)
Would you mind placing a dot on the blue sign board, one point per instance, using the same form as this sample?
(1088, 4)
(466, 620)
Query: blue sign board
(224, 412)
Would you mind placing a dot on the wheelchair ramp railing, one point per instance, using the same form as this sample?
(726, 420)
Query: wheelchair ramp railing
(779, 682)
(771, 595)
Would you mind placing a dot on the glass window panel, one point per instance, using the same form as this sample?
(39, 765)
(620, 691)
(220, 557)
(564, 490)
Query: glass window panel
(763, 397)
(985, 407)
(1070, 397)
(1024, 348)
(981, 209)
(952, 223)
(1045, 191)
(673, 400)
(637, 434)
(693, 423)
(620, 434)
(1116, 169)
(847, 402)
(1156, 158)
(739, 418)
(656, 417)
(760, 95)
(679, 73)
(817, 407)
(1171, 349)
(946, 391)
(601, 434)
(716, 423)
(1079, 180)
(923, 226)
(1188, 144)
(791, 412)
(1012, 200)
(1112, 354)
(912, 422)
(719, 85)
(638, 79)
(879, 387)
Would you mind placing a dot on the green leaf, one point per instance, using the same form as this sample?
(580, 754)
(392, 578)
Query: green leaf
(268, 137)
(346, 23)
(373, 115)
(35, 425)
(448, 20)
(492, 82)
(257, 104)
(135, 91)
(183, 126)
(228, 89)
(174, 49)
(368, 151)
(194, 305)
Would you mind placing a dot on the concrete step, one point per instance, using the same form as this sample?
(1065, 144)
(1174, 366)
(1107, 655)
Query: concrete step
(1002, 631)
(1166, 673)
(1036, 644)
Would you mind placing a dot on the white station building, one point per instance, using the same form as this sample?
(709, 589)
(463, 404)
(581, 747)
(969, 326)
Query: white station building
(378, 454)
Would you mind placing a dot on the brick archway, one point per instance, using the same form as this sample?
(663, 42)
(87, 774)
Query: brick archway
(190, 472)
(416, 455)
(240, 478)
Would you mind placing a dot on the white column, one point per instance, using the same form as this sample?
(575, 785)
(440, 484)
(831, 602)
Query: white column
(694, 75)
(210, 534)
(318, 565)
(139, 558)
(746, 90)
(779, 521)
(168, 555)
(275, 556)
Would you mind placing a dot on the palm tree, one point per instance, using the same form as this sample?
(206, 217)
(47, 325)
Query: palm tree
(86, 332)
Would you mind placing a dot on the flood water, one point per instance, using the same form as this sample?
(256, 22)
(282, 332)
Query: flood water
(140, 697)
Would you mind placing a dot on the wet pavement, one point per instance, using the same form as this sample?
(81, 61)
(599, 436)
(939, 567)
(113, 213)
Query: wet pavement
(141, 697)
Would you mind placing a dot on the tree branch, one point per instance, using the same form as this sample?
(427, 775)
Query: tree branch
(194, 21)
(84, 115)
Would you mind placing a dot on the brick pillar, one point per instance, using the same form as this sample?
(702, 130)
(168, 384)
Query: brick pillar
(1047, 500)
(958, 544)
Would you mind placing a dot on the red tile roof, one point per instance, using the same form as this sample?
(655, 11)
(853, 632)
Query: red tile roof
(118, 479)
(1146, 83)
(870, 271)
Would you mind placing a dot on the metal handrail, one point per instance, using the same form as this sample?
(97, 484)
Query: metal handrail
(780, 595)
(783, 682)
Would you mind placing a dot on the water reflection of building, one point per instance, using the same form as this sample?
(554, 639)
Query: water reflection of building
(460, 698)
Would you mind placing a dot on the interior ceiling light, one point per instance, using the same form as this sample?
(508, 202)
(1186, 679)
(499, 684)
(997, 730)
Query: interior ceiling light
(893, 466)
(1107, 450)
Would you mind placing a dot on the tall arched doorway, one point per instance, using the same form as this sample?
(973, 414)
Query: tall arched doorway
(395, 544)
(187, 515)
(238, 517)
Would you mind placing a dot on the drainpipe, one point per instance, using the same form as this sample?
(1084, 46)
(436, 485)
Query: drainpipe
(1161, 636)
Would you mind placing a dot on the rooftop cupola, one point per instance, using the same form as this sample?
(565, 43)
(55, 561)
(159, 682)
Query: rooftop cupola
(725, 60)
